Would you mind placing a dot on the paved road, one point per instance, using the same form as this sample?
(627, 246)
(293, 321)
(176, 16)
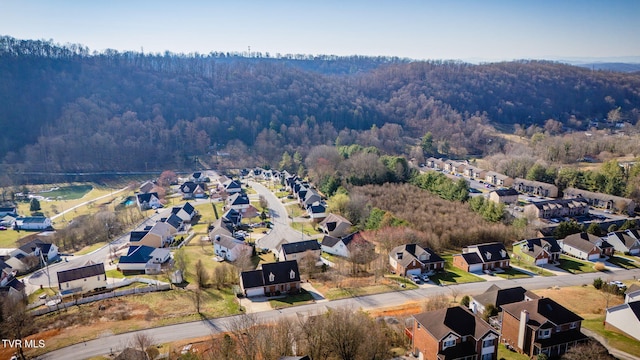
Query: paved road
(207, 327)
(282, 230)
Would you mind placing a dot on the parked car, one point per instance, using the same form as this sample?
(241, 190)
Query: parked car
(3, 228)
(619, 284)
(425, 277)
(415, 279)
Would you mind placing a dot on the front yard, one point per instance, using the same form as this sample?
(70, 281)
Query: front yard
(623, 262)
(512, 273)
(575, 266)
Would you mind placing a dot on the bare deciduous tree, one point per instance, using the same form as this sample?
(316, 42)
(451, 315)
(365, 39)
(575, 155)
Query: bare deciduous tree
(142, 341)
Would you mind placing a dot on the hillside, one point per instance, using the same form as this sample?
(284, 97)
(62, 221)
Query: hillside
(63, 108)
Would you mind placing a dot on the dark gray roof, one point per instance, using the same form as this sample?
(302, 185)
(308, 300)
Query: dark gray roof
(283, 271)
(32, 245)
(300, 246)
(471, 258)
(499, 297)
(535, 246)
(330, 241)
(317, 208)
(252, 279)
(135, 236)
(439, 323)
(137, 255)
(16, 284)
(491, 251)
(188, 208)
(174, 220)
(506, 192)
(146, 197)
(233, 215)
(239, 199)
(541, 311)
(81, 272)
(412, 252)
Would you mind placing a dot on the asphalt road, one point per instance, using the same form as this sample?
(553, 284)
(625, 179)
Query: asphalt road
(281, 229)
(116, 343)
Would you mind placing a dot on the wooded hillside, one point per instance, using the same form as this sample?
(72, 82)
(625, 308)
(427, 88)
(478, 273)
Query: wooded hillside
(63, 108)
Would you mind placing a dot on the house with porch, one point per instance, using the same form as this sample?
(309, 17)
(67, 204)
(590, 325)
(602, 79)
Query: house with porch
(335, 225)
(340, 246)
(453, 333)
(412, 259)
(148, 201)
(272, 279)
(482, 257)
(37, 248)
(540, 326)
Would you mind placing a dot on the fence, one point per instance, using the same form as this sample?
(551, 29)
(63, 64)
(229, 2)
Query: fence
(117, 293)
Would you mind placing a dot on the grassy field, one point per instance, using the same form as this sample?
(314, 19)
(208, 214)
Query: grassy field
(521, 260)
(574, 265)
(90, 248)
(292, 300)
(453, 275)
(294, 210)
(506, 354)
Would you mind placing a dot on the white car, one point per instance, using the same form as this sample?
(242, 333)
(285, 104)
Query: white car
(425, 277)
(619, 284)
(415, 279)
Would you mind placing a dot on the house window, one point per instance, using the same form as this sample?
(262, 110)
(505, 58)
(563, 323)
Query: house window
(487, 343)
(98, 277)
(67, 285)
(292, 274)
(448, 343)
(545, 333)
(272, 277)
(574, 325)
(487, 356)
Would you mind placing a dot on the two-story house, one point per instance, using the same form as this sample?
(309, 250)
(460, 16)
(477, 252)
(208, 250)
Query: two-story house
(413, 259)
(482, 257)
(540, 326)
(297, 250)
(453, 333)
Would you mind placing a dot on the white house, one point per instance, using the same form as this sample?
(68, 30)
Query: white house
(82, 279)
(148, 201)
(37, 248)
(335, 225)
(185, 212)
(238, 201)
(317, 211)
(297, 250)
(581, 246)
(33, 223)
(626, 318)
(624, 242)
(230, 248)
(340, 246)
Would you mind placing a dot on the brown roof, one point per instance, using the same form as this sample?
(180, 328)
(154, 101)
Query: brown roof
(542, 311)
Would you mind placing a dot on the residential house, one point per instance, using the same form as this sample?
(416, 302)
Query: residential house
(624, 242)
(538, 251)
(159, 235)
(148, 201)
(536, 188)
(199, 177)
(604, 201)
(632, 294)
(317, 211)
(335, 225)
(473, 172)
(6, 210)
(193, 190)
(482, 257)
(497, 297)
(504, 196)
(14, 288)
(82, 279)
(557, 208)
(435, 164)
(540, 326)
(143, 259)
(147, 186)
(8, 221)
(186, 212)
(340, 246)
(297, 250)
(234, 216)
(38, 248)
(6, 273)
(584, 246)
(33, 223)
(453, 333)
(272, 279)
(232, 186)
(310, 198)
(238, 201)
(221, 226)
(625, 317)
(175, 222)
(498, 179)
(413, 259)
(230, 248)
(454, 167)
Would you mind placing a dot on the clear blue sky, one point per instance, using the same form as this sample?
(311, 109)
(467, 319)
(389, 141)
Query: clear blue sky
(418, 29)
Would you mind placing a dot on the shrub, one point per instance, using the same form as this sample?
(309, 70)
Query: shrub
(465, 301)
(599, 266)
(597, 283)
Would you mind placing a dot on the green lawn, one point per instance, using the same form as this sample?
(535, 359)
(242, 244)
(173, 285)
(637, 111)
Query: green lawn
(295, 210)
(574, 265)
(615, 339)
(71, 192)
(506, 354)
(624, 263)
(87, 249)
(341, 293)
(292, 300)
(526, 262)
(453, 275)
(512, 274)
(9, 237)
(33, 297)
(114, 274)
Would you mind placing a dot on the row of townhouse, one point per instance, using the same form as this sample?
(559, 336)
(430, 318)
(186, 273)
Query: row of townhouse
(526, 323)
(308, 198)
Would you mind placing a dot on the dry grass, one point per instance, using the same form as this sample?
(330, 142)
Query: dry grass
(585, 301)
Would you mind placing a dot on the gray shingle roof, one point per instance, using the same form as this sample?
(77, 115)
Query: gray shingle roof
(439, 323)
(300, 246)
(81, 272)
(541, 311)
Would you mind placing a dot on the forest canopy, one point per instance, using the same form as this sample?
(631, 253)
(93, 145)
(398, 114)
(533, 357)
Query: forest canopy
(64, 108)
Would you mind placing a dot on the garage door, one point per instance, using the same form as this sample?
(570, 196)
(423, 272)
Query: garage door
(594, 257)
(414, 271)
(475, 268)
(255, 292)
(542, 261)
